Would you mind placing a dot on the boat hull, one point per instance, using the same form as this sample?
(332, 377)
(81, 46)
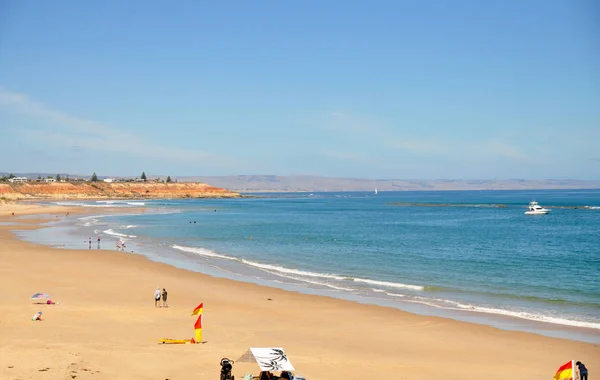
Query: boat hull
(537, 212)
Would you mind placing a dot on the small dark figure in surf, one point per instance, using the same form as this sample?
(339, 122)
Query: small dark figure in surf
(98, 242)
(90, 243)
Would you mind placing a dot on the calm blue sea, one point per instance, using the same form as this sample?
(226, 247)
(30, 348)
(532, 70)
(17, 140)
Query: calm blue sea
(469, 255)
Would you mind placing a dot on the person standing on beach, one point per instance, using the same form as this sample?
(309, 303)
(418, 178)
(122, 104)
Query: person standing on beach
(164, 298)
(90, 243)
(583, 372)
(118, 244)
(157, 295)
(98, 242)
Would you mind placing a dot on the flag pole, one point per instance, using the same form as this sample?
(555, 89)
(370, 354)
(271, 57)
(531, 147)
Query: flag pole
(573, 369)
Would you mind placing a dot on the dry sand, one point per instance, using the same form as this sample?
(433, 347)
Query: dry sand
(106, 325)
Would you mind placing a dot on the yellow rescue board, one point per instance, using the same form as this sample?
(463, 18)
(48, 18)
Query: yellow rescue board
(174, 341)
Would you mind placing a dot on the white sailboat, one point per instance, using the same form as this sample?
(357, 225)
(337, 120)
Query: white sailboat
(375, 191)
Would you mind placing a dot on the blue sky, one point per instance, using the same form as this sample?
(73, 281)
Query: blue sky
(380, 89)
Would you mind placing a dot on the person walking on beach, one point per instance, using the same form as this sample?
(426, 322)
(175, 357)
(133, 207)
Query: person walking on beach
(118, 244)
(98, 242)
(157, 295)
(164, 298)
(90, 243)
(583, 372)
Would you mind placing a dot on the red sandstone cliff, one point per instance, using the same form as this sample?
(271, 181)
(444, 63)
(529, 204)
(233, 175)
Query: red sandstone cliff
(101, 190)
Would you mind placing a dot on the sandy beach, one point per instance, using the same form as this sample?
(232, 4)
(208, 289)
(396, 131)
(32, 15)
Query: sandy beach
(106, 326)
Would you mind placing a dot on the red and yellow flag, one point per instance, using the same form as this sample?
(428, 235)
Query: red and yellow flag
(198, 329)
(198, 309)
(565, 372)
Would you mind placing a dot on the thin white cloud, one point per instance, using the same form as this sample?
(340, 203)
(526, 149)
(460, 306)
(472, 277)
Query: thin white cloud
(418, 145)
(90, 135)
(505, 150)
(351, 157)
(370, 129)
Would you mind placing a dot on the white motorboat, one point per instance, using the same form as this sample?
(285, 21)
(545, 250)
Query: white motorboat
(536, 209)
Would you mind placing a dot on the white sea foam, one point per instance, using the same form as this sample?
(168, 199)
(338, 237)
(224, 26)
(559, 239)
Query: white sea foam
(389, 284)
(273, 269)
(296, 274)
(129, 226)
(280, 269)
(89, 217)
(103, 204)
(448, 304)
(291, 277)
(117, 202)
(395, 294)
(69, 203)
(152, 212)
(593, 207)
(114, 233)
(318, 283)
(91, 220)
(202, 252)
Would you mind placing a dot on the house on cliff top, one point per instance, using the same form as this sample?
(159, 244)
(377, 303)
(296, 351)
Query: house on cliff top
(18, 179)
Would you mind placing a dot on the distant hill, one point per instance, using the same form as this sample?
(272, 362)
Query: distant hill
(267, 183)
(257, 183)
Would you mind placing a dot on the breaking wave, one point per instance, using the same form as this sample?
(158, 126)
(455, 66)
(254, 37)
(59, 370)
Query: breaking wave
(114, 233)
(300, 275)
(202, 252)
(102, 204)
(389, 284)
(453, 305)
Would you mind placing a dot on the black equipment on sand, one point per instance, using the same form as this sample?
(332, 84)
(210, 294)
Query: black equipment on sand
(226, 368)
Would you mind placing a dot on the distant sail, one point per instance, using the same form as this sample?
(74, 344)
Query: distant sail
(375, 191)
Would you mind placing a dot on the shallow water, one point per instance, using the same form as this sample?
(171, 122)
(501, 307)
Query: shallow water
(477, 262)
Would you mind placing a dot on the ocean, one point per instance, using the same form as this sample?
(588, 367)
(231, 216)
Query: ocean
(467, 255)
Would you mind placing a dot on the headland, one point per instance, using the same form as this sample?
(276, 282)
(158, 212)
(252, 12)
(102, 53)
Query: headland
(120, 190)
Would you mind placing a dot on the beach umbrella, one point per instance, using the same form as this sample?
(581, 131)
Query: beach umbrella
(40, 296)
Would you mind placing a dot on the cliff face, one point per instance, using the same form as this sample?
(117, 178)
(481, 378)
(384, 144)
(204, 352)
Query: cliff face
(102, 190)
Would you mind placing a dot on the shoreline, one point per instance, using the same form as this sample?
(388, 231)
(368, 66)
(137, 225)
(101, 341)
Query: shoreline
(62, 234)
(325, 338)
